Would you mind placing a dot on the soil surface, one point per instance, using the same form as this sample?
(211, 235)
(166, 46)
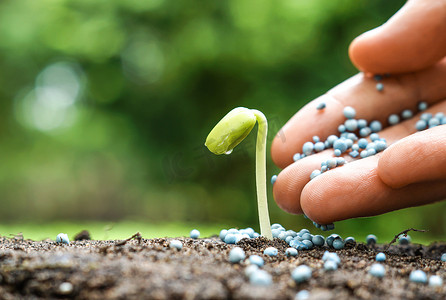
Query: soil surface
(149, 269)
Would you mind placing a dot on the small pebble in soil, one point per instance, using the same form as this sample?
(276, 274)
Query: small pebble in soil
(377, 270)
(330, 265)
(62, 238)
(249, 270)
(302, 295)
(435, 280)
(65, 288)
(418, 276)
(379, 87)
(371, 239)
(271, 251)
(261, 277)
(195, 234)
(256, 260)
(176, 244)
(405, 240)
(236, 255)
(291, 252)
(273, 179)
(380, 257)
(301, 273)
(443, 257)
(83, 235)
(321, 105)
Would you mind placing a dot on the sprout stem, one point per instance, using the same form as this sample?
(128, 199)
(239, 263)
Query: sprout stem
(265, 224)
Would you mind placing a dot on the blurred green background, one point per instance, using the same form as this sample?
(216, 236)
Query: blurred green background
(105, 106)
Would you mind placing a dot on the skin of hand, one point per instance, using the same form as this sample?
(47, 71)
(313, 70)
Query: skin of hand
(411, 46)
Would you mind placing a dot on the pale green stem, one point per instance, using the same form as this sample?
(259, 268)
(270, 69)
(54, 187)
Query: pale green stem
(265, 225)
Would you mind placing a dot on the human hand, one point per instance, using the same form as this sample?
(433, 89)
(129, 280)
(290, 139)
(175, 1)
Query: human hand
(411, 47)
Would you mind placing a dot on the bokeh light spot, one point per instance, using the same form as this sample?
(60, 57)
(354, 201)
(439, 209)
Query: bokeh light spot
(51, 103)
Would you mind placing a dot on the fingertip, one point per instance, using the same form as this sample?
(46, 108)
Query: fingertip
(287, 193)
(280, 152)
(313, 201)
(344, 193)
(356, 53)
(359, 53)
(413, 39)
(416, 158)
(322, 198)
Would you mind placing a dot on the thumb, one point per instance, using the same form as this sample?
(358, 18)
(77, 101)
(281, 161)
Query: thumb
(413, 39)
(420, 157)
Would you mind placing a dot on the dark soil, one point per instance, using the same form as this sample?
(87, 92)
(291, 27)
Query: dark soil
(149, 269)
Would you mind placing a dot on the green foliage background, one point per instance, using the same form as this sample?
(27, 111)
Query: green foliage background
(153, 77)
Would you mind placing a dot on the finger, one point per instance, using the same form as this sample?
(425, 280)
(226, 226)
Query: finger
(292, 180)
(400, 92)
(342, 196)
(419, 157)
(413, 39)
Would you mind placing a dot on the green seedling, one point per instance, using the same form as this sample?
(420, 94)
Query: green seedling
(228, 133)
